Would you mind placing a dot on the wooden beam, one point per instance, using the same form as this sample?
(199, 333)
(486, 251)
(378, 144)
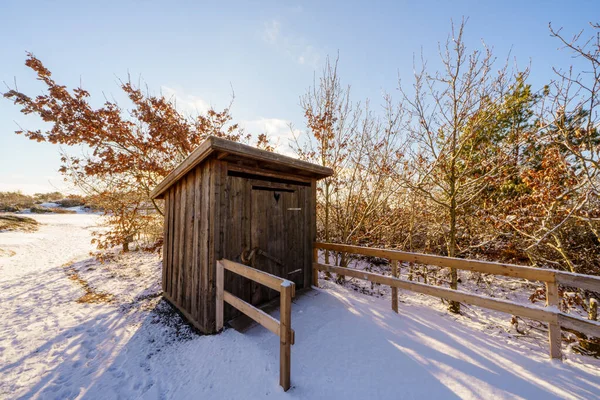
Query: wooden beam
(285, 338)
(190, 162)
(215, 144)
(554, 335)
(220, 277)
(586, 326)
(509, 307)
(268, 156)
(315, 277)
(591, 283)
(264, 278)
(517, 271)
(256, 314)
(395, 289)
(267, 173)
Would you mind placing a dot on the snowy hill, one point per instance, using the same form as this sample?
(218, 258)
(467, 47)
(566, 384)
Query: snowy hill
(74, 328)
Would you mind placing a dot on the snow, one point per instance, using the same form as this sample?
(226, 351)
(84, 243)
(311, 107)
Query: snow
(130, 343)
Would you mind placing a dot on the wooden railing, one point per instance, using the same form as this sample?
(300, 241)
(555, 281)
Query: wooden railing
(283, 328)
(551, 314)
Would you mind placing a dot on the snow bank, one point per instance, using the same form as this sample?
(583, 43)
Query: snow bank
(348, 345)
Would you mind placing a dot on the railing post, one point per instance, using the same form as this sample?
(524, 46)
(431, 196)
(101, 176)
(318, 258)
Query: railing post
(219, 301)
(285, 337)
(554, 335)
(395, 289)
(315, 278)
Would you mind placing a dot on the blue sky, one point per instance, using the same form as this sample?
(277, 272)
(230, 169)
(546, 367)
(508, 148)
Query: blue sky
(266, 51)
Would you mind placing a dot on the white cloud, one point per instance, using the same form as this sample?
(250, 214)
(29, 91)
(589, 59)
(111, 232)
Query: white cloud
(272, 32)
(294, 46)
(278, 130)
(186, 103)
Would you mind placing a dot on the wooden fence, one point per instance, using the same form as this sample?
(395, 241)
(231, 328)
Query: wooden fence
(551, 314)
(283, 328)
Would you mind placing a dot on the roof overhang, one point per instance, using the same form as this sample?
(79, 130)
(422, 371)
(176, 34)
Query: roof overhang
(238, 152)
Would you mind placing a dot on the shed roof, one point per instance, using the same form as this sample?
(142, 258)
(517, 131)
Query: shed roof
(234, 152)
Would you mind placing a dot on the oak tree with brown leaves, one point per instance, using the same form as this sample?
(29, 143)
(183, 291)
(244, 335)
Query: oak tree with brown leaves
(126, 151)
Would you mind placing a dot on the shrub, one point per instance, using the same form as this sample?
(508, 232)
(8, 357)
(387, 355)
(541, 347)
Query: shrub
(17, 223)
(40, 210)
(14, 201)
(47, 197)
(71, 201)
(48, 210)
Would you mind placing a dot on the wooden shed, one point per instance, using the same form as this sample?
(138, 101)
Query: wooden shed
(228, 200)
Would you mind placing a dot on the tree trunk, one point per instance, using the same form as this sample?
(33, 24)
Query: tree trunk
(327, 205)
(126, 242)
(593, 310)
(453, 306)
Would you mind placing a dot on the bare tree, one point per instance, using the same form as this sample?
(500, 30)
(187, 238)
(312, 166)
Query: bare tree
(360, 147)
(452, 155)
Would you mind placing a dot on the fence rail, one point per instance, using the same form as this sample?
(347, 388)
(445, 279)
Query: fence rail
(551, 315)
(283, 328)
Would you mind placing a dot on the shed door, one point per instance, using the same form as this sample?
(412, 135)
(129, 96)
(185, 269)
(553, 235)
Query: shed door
(277, 235)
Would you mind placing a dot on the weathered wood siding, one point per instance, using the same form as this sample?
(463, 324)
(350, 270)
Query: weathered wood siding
(211, 215)
(187, 224)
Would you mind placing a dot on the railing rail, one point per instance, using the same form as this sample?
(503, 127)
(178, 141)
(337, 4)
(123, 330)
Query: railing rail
(283, 328)
(551, 315)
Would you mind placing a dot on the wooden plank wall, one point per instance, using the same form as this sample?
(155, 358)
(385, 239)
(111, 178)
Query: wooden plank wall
(187, 219)
(238, 237)
(207, 218)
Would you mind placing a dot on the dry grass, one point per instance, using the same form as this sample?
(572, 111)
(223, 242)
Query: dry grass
(47, 210)
(91, 295)
(6, 253)
(18, 223)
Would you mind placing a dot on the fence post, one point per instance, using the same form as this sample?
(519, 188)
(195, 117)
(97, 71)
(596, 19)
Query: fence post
(285, 336)
(315, 279)
(554, 335)
(220, 288)
(395, 289)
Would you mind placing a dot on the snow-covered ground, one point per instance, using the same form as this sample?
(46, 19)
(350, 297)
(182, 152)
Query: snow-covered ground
(73, 328)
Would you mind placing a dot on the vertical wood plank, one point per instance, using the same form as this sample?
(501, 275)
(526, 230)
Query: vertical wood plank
(172, 225)
(315, 272)
(554, 335)
(285, 335)
(247, 232)
(395, 289)
(195, 244)
(237, 238)
(204, 243)
(311, 232)
(305, 236)
(171, 200)
(219, 300)
(165, 242)
(175, 249)
(189, 242)
(181, 243)
(166, 247)
(215, 234)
